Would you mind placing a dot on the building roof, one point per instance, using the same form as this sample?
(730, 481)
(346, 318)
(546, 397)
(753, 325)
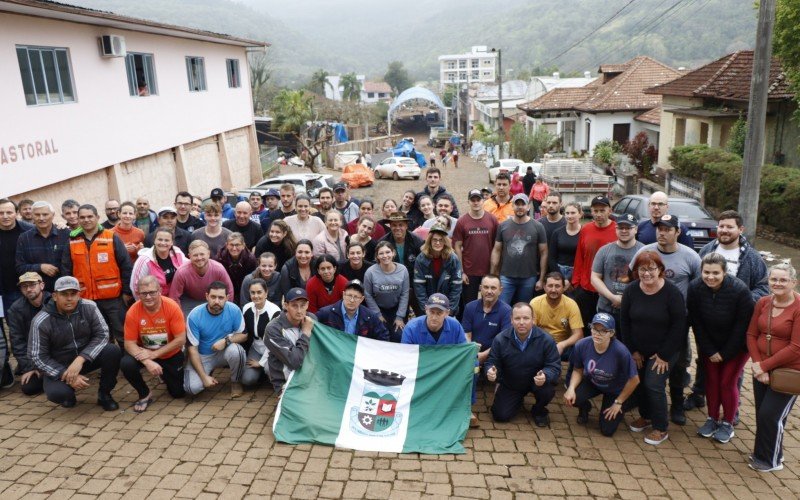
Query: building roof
(512, 89)
(620, 87)
(71, 13)
(377, 87)
(726, 78)
(652, 116)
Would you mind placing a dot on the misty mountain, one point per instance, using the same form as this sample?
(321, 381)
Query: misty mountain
(364, 36)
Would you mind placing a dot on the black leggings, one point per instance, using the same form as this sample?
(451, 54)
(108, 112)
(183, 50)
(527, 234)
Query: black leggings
(583, 395)
(107, 361)
(172, 374)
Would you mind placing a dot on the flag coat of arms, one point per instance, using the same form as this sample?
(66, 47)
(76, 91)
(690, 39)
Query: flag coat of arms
(365, 394)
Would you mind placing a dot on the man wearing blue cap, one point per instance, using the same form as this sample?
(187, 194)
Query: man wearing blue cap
(287, 338)
(602, 365)
(272, 198)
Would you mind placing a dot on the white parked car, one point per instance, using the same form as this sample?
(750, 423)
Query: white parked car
(397, 167)
(303, 183)
(512, 165)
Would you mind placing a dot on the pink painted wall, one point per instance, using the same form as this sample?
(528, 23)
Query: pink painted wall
(106, 125)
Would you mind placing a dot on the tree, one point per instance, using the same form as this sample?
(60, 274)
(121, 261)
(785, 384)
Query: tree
(397, 77)
(528, 146)
(293, 110)
(351, 87)
(735, 143)
(641, 153)
(449, 95)
(319, 80)
(786, 44)
(260, 80)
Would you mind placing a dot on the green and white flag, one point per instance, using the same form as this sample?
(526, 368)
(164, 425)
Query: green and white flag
(364, 394)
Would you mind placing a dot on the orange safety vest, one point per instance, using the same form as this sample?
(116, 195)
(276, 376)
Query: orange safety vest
(96, 267)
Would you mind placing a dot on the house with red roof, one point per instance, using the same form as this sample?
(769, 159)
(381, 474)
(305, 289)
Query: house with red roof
(613, 106)
(702, 106)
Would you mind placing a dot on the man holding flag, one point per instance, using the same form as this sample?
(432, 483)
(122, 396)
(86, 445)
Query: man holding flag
(287, 338)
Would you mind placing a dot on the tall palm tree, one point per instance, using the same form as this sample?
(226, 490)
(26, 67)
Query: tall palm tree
(351, 87)
(319, 80)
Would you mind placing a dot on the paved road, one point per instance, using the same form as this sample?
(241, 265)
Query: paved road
(213, 446)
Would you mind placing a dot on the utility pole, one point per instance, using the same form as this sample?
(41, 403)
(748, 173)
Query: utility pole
(458, 108)
(756, 119)
(501, 133)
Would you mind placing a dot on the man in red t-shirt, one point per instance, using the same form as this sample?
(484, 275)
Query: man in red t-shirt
(473, 240)
(600, 231)
(155, 332)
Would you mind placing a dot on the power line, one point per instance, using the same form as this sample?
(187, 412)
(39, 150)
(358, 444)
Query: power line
(589, 34)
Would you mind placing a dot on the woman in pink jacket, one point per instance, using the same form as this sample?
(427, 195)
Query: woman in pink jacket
(161, 260)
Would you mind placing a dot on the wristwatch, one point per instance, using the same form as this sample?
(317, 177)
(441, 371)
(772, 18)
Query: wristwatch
(617, 402)
(227, 340)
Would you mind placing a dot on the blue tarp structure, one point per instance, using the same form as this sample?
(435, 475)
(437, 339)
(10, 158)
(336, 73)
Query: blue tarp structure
(340, 132)
(406, 148)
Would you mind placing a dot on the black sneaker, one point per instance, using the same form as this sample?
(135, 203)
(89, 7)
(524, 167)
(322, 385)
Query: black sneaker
(583, 414)
(694, 400)
(7, 377)
(542, 420)
(69, 403)
(677, 416)
(107, 402)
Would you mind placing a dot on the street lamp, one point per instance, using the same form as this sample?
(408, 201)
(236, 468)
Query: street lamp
(501, 131)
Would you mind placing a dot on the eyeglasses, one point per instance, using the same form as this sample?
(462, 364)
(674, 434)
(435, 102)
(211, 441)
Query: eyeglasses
(437, 240)
(648, 270)
(149, 294)
(657, 204)
(601, 332)
(350, 296)
(779, 281)
(182, 204)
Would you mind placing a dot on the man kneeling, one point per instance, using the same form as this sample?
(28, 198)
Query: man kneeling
(215, 334)
(602, 365)
(69, 338)
(523, 359)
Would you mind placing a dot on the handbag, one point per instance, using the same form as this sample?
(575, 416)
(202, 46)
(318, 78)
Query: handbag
(783, 380)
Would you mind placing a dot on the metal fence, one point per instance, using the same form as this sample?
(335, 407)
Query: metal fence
(676, 185)
(269, 160)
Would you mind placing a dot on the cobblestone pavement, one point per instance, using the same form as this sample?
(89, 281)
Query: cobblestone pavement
(215, 446)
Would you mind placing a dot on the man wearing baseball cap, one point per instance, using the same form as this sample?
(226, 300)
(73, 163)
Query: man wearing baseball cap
(344, 203)
(287, 338)
(601, 231)
(168, 217)
(602, 365)
(65, 326)
(19, 317)
(351, 316)
(473, 238)
(610, 266)
(681, 266)
(218, 196)
(519, 255)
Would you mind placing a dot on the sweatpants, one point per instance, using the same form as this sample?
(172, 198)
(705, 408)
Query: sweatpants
(34, 386)
(172, 374)
(233, 356)
(722, 386)
(507, 402)
(772, 410)
(252, 376)
(107, 362)
(586, 391)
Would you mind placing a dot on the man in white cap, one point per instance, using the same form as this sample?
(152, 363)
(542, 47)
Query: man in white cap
(168, 217)
(68, 325)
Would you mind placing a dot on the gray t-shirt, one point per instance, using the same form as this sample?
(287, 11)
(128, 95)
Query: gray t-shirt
(215, 243)
(520, 248)
(612, 262)
(682, 265)
(386, 291)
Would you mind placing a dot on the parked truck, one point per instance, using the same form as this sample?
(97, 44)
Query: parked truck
(439, 136)
(578, 180)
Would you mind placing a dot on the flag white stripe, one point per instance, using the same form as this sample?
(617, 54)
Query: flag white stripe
(373, 354)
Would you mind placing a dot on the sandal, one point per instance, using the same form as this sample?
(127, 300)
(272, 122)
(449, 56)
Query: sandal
(141, 405)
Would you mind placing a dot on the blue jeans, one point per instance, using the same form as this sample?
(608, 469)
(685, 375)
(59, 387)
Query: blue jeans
(517, 289)
(651, 393)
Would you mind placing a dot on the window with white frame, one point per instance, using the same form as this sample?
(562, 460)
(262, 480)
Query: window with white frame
(46, 75)
(474, 63)
(196, 73)
(232, 66)
(141, 74)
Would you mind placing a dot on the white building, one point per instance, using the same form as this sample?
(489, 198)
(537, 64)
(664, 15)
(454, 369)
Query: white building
(372, 92)
(479, 65)
(484, 105)
(613, 106)
(165, 109)
(334, 89)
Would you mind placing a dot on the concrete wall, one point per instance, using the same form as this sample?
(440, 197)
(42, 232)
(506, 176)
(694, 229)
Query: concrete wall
(107, 126)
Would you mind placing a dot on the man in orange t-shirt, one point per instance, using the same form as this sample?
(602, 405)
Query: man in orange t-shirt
(155, 332)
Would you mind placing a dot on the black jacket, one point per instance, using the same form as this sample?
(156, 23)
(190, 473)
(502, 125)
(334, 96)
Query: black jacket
(368, 323)
(19, 317)
(290, 277)
(413, 244)
(515, 368)
(720, 319)
(57, 339)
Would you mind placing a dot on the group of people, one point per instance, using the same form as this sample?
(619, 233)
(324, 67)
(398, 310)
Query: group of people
(190, 288)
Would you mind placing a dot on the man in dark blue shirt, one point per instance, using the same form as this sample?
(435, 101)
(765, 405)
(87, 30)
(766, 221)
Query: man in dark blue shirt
(350, 316)
(484, 318)
(658, 206)
(41, 250)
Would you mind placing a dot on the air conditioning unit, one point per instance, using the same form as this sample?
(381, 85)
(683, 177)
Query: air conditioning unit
(112, 46)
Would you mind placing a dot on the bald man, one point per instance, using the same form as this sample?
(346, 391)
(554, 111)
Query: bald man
(657, 206)
(241, 223)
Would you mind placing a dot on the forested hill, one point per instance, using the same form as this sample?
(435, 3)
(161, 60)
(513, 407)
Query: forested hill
(365, 35)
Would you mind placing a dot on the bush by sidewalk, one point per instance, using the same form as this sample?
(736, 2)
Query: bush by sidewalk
(721, 171)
